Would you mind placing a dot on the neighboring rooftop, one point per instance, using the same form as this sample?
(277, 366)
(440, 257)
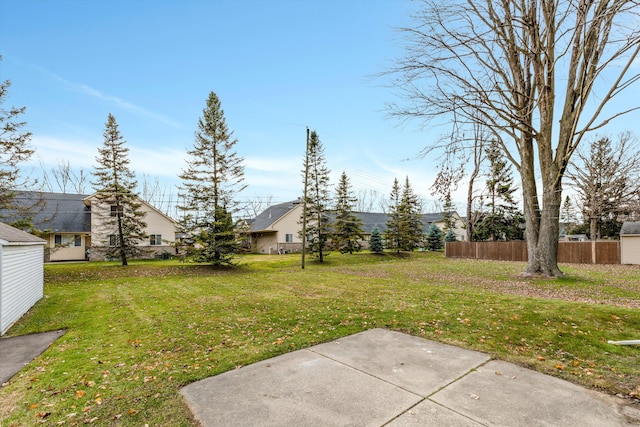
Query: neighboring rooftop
(272, 214)
(11, 234)
(369, 219)
(58, 212)
(630, 228)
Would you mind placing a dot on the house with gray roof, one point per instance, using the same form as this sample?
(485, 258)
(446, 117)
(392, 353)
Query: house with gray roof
(74, 234)
(630, 243)
(277, 229)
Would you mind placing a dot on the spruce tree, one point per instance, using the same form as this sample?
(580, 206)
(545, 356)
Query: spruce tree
(14, 150)
(347, 228)
(501, 218)
(318, 198)
(394, 231)
(450, 236)
(434, 238)
(375, 244)
(210, 183)
(410, 219)
(448, 210)
(117, 204)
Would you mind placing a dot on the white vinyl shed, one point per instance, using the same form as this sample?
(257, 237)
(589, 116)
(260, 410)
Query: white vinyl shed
(21, 273)
(630, 243)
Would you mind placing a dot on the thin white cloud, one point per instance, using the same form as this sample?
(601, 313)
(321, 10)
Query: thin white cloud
(119, 102)
(51, 152)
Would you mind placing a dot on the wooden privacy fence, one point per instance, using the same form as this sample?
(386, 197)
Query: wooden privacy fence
(568, 252)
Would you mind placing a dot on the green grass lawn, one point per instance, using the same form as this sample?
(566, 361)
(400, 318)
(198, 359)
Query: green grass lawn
(136, 334)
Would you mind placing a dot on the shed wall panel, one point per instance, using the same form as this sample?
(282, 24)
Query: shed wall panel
(630, 249)
(21, 283)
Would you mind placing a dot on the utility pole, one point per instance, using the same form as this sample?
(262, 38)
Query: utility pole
(304, 199)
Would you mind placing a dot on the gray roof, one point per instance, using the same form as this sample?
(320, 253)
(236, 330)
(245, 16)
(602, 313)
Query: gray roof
(369, 219)
(13, 235)
(372, 219)
(629, 228)
(272, 214)
(57, 212)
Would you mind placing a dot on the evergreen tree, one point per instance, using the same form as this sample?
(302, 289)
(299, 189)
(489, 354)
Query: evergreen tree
(118, 205)
(214, 176)
(14, 150)
(393, 232)
(447, 213)
(501, 219)
(410, 219)
(317, 199)
(375, 244)
(568, 216)
(450, 236)
(347, 228)
(434, 238)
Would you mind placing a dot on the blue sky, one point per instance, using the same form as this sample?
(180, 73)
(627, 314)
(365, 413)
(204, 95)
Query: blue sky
(277, 67)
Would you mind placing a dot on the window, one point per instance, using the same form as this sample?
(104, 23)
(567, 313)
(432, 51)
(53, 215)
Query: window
(113, 240)
(117, 210)
(67, 240)
(289, 238)
(155, 239)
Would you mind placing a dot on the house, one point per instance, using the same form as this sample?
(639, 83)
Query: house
(75, 231)
(161, 229)
(21, 273)
(630, 243)
(278, 228)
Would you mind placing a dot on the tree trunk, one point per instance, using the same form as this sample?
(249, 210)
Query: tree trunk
(542, 235)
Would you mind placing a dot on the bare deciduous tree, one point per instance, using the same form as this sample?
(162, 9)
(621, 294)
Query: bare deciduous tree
(605, 176)
(527, 70)
(64, 178)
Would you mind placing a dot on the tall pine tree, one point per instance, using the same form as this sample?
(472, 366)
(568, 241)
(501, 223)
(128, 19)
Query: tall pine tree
(501, 219)
(317, 199)
(117, 204)
(213, 178)
(393, 233)
(347, 228)
(14, 150)
(410, 218)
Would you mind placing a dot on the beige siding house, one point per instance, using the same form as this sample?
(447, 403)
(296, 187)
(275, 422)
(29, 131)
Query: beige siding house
(161, 229)
(278, 228)
(75, 231)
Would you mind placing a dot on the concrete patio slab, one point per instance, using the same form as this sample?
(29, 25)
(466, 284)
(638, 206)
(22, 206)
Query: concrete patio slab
(413, 363)
(503, 394)
(301, 389)
(385, 378)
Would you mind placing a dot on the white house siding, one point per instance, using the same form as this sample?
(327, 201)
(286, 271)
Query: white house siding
(630, 249)
(21, 281)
